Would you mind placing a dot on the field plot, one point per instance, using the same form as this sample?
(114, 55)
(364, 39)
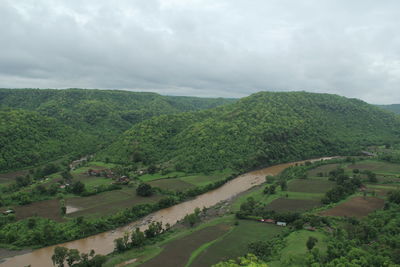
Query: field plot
(288, 204)
(10, 176)
(177, 252)
(310, 185)
(380, 167)
(234, 244)
(108, 202)
(324, 169)
(355, 207)
(47, 209)
(174, 184)
(294, 254)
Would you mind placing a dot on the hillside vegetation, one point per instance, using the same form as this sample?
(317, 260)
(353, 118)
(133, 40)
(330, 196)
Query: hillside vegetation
(262, 129)
(27, 137)
(39, 125)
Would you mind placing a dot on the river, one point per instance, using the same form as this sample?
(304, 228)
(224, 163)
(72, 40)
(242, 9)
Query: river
(103, 243)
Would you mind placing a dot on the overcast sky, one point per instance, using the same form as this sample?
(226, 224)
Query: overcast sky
(228, 48)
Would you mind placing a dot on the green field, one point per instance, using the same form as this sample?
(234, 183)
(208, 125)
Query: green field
(294, 253)
(108, 202)
(235, 243)
(310, 185)
(293, 205)
(184, 181)
(378, 167)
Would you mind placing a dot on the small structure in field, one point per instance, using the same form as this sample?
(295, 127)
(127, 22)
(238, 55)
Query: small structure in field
(281, 223)
(10, 211)
(268, 221)
(310, 228)
(122, 180)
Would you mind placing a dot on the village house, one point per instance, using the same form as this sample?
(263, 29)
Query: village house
(268, 221)
(281, 223)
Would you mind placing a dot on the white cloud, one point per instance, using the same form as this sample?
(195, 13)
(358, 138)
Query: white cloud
(228, 48)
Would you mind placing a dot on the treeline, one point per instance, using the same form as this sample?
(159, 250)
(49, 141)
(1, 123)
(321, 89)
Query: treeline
(39, 125)
(259, 130)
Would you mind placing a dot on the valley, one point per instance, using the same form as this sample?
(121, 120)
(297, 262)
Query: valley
(144, 179)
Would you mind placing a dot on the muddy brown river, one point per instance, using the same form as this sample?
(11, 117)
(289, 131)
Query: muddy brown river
(103, 243)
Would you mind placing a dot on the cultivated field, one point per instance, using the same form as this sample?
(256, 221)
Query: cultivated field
(47, 209)
(108, 202)
(294, 254)
(288, 204)
(379, 167)
(178, 252)
(310, 185)
(325, 169)
(174, 184)
(355, 207)
(234, 244)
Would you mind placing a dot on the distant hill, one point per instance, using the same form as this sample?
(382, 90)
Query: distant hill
(97, 116)
(393, 108)
(264, 128)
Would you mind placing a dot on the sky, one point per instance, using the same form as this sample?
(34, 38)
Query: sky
(213, 48)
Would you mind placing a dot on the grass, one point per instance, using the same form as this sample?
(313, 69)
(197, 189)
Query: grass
(294, 253)
(234, 243)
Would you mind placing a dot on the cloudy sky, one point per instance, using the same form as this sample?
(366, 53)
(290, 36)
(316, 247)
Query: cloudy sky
(228, 48)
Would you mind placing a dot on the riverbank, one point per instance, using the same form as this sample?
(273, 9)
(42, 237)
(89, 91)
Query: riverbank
(103, 243)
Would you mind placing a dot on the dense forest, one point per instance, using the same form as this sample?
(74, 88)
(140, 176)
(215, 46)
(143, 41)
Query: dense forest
(40, 125)
(262, 129)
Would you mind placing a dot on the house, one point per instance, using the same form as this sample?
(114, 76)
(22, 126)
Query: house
(281, 223)
(267, 220)
(122, 180)
(10, 211)
(310, 228)
(368, 154)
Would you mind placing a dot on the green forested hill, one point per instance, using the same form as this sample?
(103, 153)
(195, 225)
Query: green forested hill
(261, 129)
(94, 116)
(27, 137)
(103, 112)
(394, 108)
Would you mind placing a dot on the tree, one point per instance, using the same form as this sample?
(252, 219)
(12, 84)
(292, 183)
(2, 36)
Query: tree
(152, 169)
(78, 188)
(270, 189)
(73, 256)
(144, 190)
(155, 228)
(311, 242)
(283, 185)
(59, 256)
(372, 177)
(249, 260)
(67, 176)
(137, 238)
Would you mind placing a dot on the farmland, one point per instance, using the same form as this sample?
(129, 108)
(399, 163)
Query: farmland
(177, 252)
(295, 251)
(355, 207)
(179, 181)
(235, 242)
(292, 205)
